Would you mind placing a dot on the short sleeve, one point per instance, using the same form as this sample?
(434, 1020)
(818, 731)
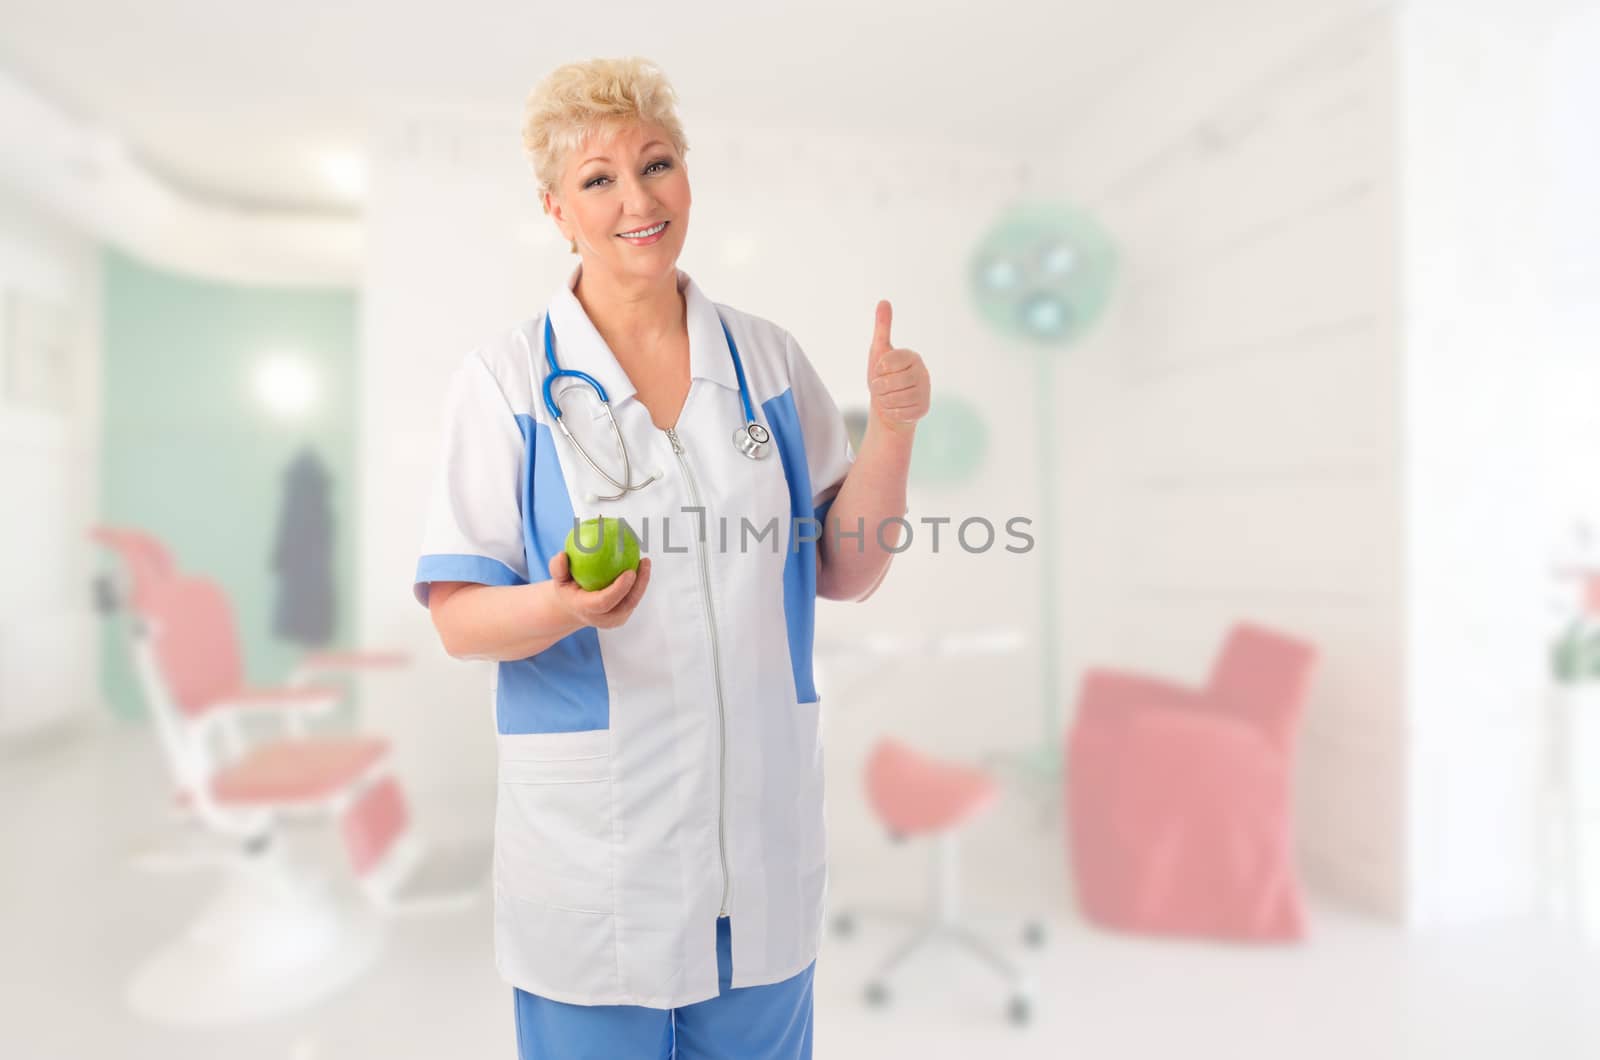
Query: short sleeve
(473, 531)
(829, 453)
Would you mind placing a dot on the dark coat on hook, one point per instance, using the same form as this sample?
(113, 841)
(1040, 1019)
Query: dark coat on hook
(303, 555)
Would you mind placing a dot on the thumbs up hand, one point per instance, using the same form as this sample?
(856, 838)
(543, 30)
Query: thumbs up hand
(896, 378)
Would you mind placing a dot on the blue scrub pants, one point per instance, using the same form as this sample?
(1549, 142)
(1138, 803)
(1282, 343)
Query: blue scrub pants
(771, 1022)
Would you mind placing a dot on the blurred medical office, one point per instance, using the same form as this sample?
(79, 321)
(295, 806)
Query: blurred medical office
(1276, 322)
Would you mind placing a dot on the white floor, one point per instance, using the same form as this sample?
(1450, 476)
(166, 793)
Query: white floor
(76, 918)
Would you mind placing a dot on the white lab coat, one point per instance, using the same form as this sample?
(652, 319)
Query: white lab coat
(651, 776)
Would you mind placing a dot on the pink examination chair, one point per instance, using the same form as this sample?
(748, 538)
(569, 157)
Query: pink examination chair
(914, 795)
(147, 562)
(1179, 799)
(276, 937)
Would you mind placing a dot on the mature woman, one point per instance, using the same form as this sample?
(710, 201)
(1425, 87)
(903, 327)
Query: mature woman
(659, 845)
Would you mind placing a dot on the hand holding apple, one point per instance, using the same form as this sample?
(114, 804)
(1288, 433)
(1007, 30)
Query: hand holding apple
(619, 572)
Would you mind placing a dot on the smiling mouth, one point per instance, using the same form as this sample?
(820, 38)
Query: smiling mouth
(644, 233)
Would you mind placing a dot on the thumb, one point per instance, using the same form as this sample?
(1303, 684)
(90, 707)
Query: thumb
(880, 330)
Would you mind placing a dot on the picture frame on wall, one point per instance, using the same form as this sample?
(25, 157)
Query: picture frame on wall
(36, 355)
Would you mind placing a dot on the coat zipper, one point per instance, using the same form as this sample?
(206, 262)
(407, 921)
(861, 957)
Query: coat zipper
(716, 666)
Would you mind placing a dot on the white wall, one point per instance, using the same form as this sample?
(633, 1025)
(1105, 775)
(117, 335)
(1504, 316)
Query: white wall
(1349, 389)
(1500, 162)
(808, 230)
(1245, 400)
(1565, 235)
(49, 479)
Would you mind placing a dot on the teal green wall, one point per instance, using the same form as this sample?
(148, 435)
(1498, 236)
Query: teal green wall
(189, 454)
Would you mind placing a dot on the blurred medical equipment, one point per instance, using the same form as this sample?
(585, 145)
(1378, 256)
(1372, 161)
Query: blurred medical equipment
(1568, 800)
(752, 439)
(147, 563)
(914, 795)
(277, 936)
(1179, 799)
(1043, 274)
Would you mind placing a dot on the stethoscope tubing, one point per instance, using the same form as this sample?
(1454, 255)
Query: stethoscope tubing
(753, 446)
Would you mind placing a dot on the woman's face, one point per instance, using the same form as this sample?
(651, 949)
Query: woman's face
(621, 183)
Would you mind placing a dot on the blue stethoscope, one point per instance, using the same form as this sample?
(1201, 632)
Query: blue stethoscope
(751, 439)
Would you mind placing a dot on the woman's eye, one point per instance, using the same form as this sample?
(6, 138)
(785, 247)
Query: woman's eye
(662, 162)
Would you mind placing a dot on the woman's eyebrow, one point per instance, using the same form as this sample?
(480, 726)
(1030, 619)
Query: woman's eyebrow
(642, 150)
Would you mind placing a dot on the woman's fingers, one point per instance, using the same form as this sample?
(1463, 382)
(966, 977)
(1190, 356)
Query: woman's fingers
(632, 599)
(915, 386)
(891, 384)
(609, 606)
(600, 601)
(560, 567)
(631, 585)
(901, 390)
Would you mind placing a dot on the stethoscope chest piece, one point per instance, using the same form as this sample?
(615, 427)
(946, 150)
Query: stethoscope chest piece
(751, 440)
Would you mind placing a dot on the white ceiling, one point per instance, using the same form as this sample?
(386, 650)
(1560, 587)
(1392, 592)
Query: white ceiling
(241, 104)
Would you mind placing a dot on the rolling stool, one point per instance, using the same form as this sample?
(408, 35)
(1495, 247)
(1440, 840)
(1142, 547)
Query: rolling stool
(914, 795)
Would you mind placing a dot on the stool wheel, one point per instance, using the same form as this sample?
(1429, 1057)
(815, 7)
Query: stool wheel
(844, 925)
(1033, 934)
(1020, 1010)
(877, 994)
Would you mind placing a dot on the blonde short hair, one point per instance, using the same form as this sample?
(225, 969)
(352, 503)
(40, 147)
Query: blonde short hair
(596, 95)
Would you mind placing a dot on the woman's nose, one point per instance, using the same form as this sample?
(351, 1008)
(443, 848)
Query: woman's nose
(636, 198)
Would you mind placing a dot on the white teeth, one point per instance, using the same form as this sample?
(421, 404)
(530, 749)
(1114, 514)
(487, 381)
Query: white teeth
(644, 233)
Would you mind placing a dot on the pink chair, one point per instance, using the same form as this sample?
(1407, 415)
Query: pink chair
(1179, 799)
(185, 650)
(147, 563)
(276, 936)
(914, 795)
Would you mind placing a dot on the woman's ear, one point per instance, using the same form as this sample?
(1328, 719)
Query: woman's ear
(552, 206)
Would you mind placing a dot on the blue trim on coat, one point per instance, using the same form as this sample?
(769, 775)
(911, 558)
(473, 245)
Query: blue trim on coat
(800, 565)
(563, 688)
(459, 567)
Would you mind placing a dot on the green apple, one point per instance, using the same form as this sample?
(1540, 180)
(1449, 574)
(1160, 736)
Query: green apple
(599, 550)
